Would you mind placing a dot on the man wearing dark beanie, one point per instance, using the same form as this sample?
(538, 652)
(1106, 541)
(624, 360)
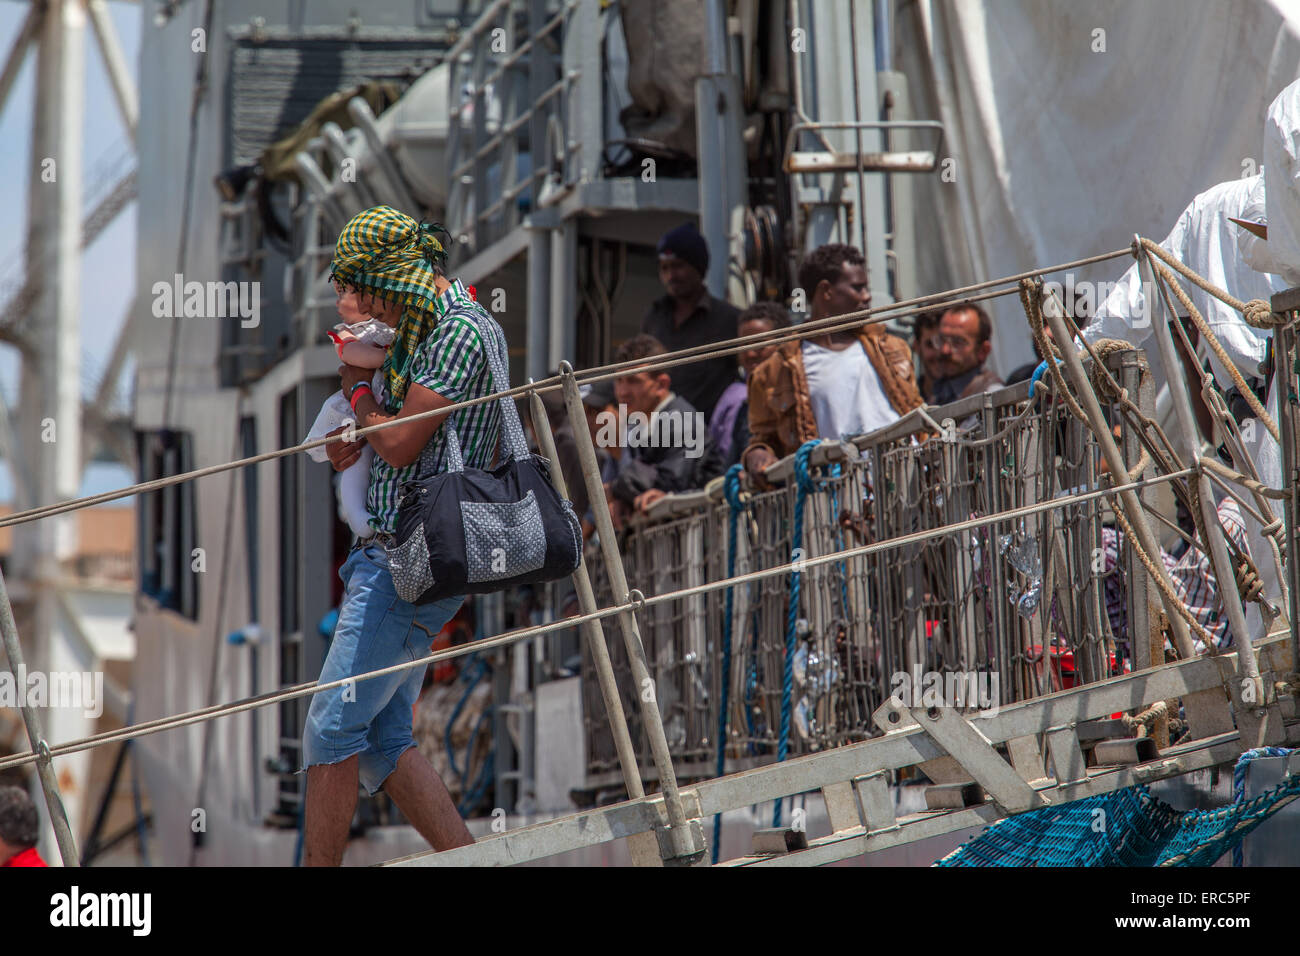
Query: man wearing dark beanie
(688, 316)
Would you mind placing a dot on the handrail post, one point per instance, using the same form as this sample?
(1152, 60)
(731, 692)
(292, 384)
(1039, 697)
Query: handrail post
(1214, 545)
(593, 632)
(1284, 382)
(36, 735)
(687, 837)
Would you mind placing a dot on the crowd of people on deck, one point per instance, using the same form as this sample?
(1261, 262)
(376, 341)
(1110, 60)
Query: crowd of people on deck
(762, 403)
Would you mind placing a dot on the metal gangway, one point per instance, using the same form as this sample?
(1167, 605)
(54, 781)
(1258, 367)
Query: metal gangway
(1234, 702)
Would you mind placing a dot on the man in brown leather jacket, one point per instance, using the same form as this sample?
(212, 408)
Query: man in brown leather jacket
(833, 384)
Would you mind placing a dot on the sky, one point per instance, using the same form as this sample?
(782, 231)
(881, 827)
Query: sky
(108, 266)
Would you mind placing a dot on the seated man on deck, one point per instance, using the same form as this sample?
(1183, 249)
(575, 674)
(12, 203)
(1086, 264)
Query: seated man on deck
(1191, 573)
(1189, 568)
(668, 446)
(1205, 239)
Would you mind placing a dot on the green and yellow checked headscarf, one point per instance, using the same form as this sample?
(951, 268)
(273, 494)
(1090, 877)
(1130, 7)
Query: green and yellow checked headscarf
(386, 253)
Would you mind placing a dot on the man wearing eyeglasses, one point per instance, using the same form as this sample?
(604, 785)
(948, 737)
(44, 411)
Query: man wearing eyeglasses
(961, 344)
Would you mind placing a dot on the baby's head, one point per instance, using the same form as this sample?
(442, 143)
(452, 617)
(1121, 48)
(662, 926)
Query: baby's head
(349, 311)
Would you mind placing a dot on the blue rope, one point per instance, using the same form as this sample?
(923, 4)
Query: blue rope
(1239, 785)
(731, 489)
(751, 682)
(804, 486)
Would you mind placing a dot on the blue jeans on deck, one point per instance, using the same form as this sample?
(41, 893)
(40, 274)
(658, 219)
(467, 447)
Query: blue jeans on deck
(376, 629)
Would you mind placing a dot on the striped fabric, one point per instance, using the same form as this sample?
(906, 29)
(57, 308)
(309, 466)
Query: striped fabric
(451, 362)
(386, 253)
(1192, 575)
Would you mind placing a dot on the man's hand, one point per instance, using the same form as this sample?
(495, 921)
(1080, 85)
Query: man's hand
(647, 498)
(351, 375)
(755, 462)
(343, 453)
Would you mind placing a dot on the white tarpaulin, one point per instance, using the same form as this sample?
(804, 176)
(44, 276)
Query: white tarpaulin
(1072, 126)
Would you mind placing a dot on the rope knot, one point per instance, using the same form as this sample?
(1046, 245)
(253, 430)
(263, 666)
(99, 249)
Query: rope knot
(1260, 315)
(1249, 586)
(1102, 382)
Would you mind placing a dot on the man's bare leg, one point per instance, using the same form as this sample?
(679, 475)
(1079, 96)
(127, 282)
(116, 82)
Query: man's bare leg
(422, 797)
(331, 802)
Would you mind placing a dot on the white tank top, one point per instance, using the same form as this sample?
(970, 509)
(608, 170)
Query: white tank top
(847, 398)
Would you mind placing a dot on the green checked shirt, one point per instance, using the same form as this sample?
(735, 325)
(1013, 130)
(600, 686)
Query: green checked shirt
(451, 362)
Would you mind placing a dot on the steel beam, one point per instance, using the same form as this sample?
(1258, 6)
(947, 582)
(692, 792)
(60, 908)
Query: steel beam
(562, 328)
(115, 63)
(50, 434)
(539, 301)
(968, 747)
(18, 52)
(865, 763)
(688, 840)
(921, 826)
(1288, 406)
(593, 633)
(36, 736)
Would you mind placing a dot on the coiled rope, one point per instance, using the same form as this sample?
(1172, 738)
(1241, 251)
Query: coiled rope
(737, 502)
(804, 486)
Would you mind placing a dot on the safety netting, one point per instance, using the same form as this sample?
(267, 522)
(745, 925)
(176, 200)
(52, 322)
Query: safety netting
(1129, 827)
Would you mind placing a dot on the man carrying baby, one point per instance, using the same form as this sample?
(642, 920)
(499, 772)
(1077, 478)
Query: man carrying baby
(362, 730)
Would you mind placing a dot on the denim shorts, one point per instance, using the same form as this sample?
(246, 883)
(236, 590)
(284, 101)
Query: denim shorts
(375, 629)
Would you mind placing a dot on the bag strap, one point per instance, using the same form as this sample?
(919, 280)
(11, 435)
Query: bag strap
(515, 444)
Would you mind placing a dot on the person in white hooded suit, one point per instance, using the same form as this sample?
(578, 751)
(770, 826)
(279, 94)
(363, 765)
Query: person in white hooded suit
(1206, 241)
(1279, 255)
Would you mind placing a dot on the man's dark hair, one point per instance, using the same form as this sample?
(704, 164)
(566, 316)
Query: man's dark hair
(924, 322)
(986, 324)
(639, 347)
(827, 262)
(19, 824)
(773, 313)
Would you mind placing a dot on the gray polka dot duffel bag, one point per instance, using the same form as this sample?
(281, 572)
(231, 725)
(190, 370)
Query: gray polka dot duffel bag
(472, 530)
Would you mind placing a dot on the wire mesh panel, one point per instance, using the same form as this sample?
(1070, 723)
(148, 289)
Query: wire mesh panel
(679, 638)
(1002, 611)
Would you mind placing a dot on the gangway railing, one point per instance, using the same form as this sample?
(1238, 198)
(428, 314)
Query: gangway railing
(1020, 606)
(1253, 687)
